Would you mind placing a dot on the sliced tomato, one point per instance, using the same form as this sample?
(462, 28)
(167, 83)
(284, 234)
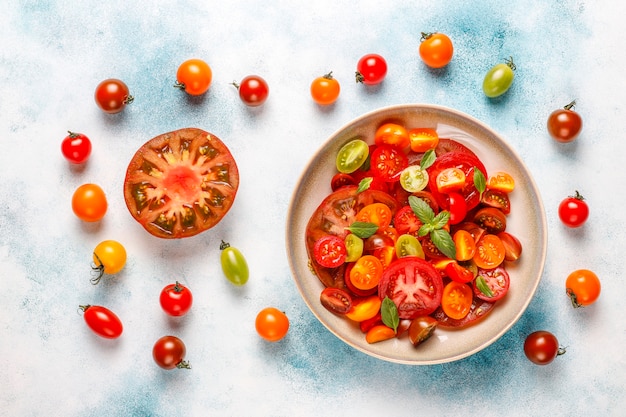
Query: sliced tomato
(428, 197)
(446, 145)
(450, 179)
(512, 246)
(423, 139)
(414, 285)
(354, 247)
(335, 300)
(379, 333)
(377, 213)
(479, 309)
(492, 284)
(366, 272)
(330, 251)
(491, 219)
(392, 134)
(365, 325)
(181, 183)
(476, 231)
(332, 217)
(465, 245)
(501, 181)
(456, 300)
(387, 162)
(497, 199)
(458, 273)
(364, 308)
(430, 250)
(458, 207)
(354, 290)
(490, 252)
(341, 179)
(406, 222)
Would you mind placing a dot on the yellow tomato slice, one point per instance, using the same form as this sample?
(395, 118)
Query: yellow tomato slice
(501, 181)
(450, 179)
(423, 139)
(364, 309)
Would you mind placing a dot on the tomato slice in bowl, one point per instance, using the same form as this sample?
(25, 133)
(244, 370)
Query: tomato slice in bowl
(181, 183)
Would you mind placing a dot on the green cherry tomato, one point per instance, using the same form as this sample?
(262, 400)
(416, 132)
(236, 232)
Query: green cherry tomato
(413, 178)
(234, 264)
(408, 245)
(354, 247)
(352, 155)
(499, 79)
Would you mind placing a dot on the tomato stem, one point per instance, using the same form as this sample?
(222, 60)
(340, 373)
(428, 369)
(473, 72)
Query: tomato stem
(426, 35)
(510, 63)
(577, 196)
(179, 85)
(128, 99)
(98, 269)
(328, 76)
(562, 350)
(234, 83)
(570, 105)
(183, 365)
(224, 245)
(572, 296)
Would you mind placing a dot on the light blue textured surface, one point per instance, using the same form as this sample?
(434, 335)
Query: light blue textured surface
(54, 53)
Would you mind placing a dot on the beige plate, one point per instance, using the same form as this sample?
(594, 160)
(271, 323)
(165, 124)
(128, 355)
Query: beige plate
(527, 222)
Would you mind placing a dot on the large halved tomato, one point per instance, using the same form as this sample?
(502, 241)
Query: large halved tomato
(181, 183)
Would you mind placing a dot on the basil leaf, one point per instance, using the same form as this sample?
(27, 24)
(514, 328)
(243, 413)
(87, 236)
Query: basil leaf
(481, 284)
(441, 219)
(364, 184)
(442, 239)
(425, 229)
(428, 159)
(389, 313)
(363, 229)
(479, 181)
(421, 209)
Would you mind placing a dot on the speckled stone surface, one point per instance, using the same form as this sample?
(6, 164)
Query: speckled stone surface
(53, 55)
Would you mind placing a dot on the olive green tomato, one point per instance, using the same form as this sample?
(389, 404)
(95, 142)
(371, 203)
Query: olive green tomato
(352, 155)
(498, 79)
(413, 178)
(354, 247)
(408, 245)
(234, 264)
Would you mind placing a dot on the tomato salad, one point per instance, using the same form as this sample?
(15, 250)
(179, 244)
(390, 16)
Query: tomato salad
(413, 235)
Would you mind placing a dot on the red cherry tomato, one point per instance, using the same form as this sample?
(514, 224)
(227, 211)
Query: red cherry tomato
(564, 124)
(336, 300)
(253, 90)
(371, 69)
(387, 162)
(102, 321)
(76, 147)
(330, 251)
(491, 284)
(169, 352)
(436, 49)
(176, 299)
(194, 76)
(574, 211)
(541, 347)
(112, 96)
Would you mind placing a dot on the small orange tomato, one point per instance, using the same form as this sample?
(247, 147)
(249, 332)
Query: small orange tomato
(465, 245)
(89, 203)
(366, 272)
(456, 300)
(490, 252)
(379, 333)
(325, 89)
(272, 324)
(423, 139)
(392, 134)
(377, 213)
(450, 179)
(194, 76)
(365, 308)
(436, 49)
(501, 181)
(582, 287)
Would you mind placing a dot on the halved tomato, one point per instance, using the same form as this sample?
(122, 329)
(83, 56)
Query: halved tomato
(456, 300)
(478, 311)
(490, 252)
(364, 308)
(330, 251)
(366, 272)
(450, 179)
(392, 134)
(491, 285)
(406, 222)
(181, 183)
(423, 139)
(501, 181)
(341, 179)
(387, 162)
(414, 285)
(497, 199)
(464, 244)
(377, 213)
(491, 219)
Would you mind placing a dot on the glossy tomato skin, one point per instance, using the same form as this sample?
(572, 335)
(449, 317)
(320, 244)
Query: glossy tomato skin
(371, 69)
(102, 321)
(582, 287)
(564, 125)
(436, 49)
(234, 264)
(491, 284)
(325, 89)
(272, 324)
(253, 90)
(76, 148)
(169, 353)
(112, 96)
(542, 347)
(109, 257)
(176, 299)
(194, 76)
(89, 203)
(467, 162)
(574, 211)
(499, 79)
(181, 183)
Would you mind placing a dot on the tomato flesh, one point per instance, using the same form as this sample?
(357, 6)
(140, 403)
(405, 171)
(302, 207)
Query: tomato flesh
(181, 183)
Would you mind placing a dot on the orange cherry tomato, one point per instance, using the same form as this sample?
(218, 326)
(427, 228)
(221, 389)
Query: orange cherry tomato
(325, 89)
(272, 324)
(436, 49)
(365, 308)
(194, 76)
(423, 139)
(385, 255)
(456, 301)
(366, 272)
(391, 232)
(379, 333)
(450, 179)
(465, 245)
(89, 203)
(377, 213)
(501, 181)
(490, 252)
(392, 134)
(582, 287)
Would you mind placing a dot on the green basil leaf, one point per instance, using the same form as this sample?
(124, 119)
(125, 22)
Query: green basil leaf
(479, 181)
(441, 219)
(389, 313)
(443, 241)
(364, 184)
(481, 284)
(421, 209)
(363, 229)
(428, 159)
(425, 229)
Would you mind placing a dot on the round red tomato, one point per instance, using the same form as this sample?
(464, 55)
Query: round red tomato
(337, 212)
(102, 321)
(181, 183)
(176, 299)
(414, 285)
(169, 353)
(565, 124)
(371, 69)
(387, 162)
(541, 347)
(253, 90)
(574, 211)
(76, 147)
(112, 96)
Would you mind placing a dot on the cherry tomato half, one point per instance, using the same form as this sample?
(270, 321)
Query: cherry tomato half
(583, 287)
(565, 124)
(112, 96)
(89, 203)
(330, 251)
(176, 299)
(325, 89)
(371, 69)
(501, 181)
(194, 76)
(456, 300)
(392, 134)
(253, 90)
(387, 162)
(76, 147)
(109, 257)
(423, 139)
(234, 264)
(352, 156)
(436, 49)
(271, 324)
(102, 321)
(489, 252)
(573, 210)
(366, 272)
(499, 79)
(541, 347)
(169, 352)
(377, 213)
(491, 284)
(421, 328)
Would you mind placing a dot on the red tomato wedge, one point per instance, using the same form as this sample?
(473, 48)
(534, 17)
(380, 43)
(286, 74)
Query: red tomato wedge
(181, 183)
